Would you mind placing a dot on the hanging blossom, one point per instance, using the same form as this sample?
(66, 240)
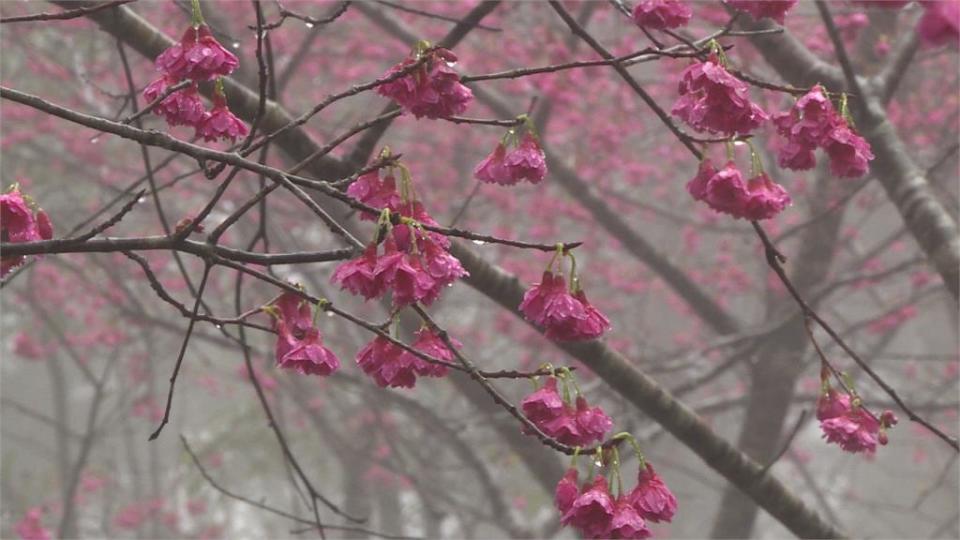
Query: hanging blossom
(220, 123)
(598, 513)
(662, 14)
(412, 263)
(524, 160)
(29, 526)
(711, 99)
(759, 9)
(391, 366)
(845, 422)
(564, 312)
(578, 425)
(299, 345)
(19, 222)
(197, 57)
(725, 191)
(432, 89)
(814, 123)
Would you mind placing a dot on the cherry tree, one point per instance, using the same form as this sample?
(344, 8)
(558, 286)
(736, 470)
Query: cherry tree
(444, 269)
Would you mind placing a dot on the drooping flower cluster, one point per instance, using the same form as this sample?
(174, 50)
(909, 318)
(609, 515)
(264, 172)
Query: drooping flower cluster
(662, 14)
(578, 425)
(564, 312)
(596, 513)
(299, 344)
(525, 161)
(813, 123)
(197, 57)
(759, 9)
(414, 263)
(20, 223)
(711, 99)
(845, 422)
(391, 366)
(432, 89)
(725, 191)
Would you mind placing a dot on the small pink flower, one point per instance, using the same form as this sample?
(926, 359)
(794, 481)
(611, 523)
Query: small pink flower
(592, 511)
(567, 491)
(592, 422)
(373, 191)
(627, 522)
(594, 325)
(651, 498)
(220, 123)
(711, 99)
(940, 23)
(545, 404)
(765, 198)
(405, 275)
(181, 108)
(849, 153)
(724, 191)
(18, 223)
(24, 345)
(430, 344)
(492, 169)
(832, 404)
(549, 303)
(387, 364)
(299, 344)
(198, 56)
(526, 161)
(29, 526)
(758, 9)
(804, 127)
(662, 14)
(855, 431)
(359, 275)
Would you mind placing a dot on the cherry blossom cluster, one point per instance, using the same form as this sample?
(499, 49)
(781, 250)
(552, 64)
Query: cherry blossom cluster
(813, 123)
(726, 191)
(30, 528)
(413, 263)
(299, 344)
(197, 57)
(847, 423)
(593, 510)
(20, 221)
(432, 89)
(390, 366)
(561, 309)
(712, 99)
(514, 159)
(554, 415)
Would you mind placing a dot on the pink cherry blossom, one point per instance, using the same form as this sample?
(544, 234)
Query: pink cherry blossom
(492, 169)
(592, 511)
(18, 223)
(526, 161)
(433, 90)
(429, 343)
(549, 303)
(372, 190)
(545, 404)
(662, 14)
(359, 275)
(405, 275)
(387, 364)
(758, 9)
(711, 99)
(627, 522)
(651, 497)
(849, 153)
(181, 108)
(220, 123)
(855, 431)
(567, 491)
(299, 345)
(765, 198)
(592, 326)
(592, 423)
(198, 56)
(724, 190)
